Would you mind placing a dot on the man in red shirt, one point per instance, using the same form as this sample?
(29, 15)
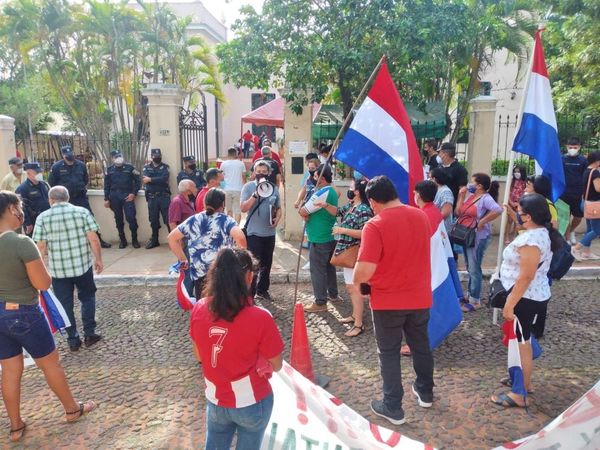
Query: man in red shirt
(247, 137)
(394, 259)
(214, 177)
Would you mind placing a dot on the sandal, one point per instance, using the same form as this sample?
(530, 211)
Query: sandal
(20, 431)
(506, 381)
(352, 333)
(405, 350)
(349, 319)
(84, 408)
(504, 400)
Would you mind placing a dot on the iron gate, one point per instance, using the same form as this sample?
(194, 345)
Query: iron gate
(194, 138)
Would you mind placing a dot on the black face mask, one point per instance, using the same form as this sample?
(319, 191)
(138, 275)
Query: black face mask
(425, 153)
(311, 173)
(350, 194)
(157, 160)
(70, 157)
(192, 166)
(260, 176)
(191, 197)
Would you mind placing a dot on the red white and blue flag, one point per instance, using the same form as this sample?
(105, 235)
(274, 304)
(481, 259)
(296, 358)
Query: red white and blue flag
(380, 140)
(184, 299)
(515, 370)
(537, 135)
(54, 312)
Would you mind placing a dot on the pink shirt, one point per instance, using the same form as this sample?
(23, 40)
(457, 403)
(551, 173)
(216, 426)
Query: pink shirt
(180, 209)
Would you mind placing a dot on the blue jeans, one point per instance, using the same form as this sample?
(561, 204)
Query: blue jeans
(250, 423)
(24, 328)
(86, 292)
(474, 259)
(593, 231)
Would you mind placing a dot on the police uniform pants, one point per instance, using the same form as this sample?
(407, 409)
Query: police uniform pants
(120, 206)
(82, 201)
(158, 206)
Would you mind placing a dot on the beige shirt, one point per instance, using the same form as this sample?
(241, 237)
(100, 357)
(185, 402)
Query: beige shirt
(10, 183)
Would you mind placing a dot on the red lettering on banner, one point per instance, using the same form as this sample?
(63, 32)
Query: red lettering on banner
(392, 441)
(573, 416)
(331, 423)
(336, 401)
(300, 398)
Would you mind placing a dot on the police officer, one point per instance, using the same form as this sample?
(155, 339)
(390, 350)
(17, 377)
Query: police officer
(191, 172)
(72, 174)
(121, 185)
(158, 195)
(34, 195)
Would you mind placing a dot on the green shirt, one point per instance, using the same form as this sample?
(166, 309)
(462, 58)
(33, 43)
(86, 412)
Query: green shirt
(64, 227)
(17, 250)
(320, 223)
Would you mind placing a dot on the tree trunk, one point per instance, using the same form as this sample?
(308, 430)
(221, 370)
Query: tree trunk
(463, 106)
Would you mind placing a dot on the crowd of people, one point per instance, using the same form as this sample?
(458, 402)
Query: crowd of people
(228, 265)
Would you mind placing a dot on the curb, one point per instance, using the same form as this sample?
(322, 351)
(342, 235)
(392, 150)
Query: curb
(576, 273)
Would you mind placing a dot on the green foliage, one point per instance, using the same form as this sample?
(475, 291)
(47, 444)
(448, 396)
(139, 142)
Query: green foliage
(500, 166)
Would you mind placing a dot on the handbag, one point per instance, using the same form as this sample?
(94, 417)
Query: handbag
(498, 295)
(463, 234)
(347, 258)
(591, 209)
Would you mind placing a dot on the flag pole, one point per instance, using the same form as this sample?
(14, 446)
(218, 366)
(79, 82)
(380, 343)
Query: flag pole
(334, 147)
(509, 175)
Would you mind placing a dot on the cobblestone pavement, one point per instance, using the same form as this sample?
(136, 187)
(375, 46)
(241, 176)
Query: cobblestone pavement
(150, 390)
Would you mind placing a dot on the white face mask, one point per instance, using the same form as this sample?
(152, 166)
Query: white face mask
(39, 177)
(572, 151)
(517, 175)
(19, 171)
(119, 161)
(323, 159)
(438, 158)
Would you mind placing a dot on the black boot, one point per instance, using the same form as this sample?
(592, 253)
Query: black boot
(123, 240)
(153, 242)
(103, 243)
(134, 241)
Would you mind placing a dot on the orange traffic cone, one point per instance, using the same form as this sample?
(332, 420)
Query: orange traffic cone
(300, 352)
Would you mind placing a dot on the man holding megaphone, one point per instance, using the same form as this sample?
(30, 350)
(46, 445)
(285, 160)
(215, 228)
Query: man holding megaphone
(260, 200)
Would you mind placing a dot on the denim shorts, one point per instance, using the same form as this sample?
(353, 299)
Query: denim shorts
(24, 328)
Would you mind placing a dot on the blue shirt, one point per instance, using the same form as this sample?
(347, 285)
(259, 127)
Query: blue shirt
(206, 235)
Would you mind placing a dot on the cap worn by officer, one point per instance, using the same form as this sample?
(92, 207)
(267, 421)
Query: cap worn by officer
(212, 174)
(155, 152)
(115, 153)
(33, 166)
(189, 158)
(66, 149)
(15, 161)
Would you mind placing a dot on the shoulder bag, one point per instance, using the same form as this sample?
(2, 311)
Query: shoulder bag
(498, 294)
(463, 234)
(245, 227)
(591, 209)
(347, 258)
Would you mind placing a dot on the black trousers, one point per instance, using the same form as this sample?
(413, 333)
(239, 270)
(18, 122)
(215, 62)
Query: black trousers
(158, 205)
(389, 327)
(262, 248)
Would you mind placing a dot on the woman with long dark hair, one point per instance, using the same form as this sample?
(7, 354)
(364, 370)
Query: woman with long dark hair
(591, 191)
(524, 271)
(239, 346)
(22, 323)
(206, 232)
(478, 209)
(355, 214)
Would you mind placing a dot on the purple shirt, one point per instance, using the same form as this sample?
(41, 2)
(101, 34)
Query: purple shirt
(180, 209)
(485, 205)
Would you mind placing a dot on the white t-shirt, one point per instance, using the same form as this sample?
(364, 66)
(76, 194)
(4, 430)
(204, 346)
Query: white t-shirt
(232, 172)
(539, 288)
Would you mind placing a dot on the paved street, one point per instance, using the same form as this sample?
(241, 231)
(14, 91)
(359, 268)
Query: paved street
(150, 390)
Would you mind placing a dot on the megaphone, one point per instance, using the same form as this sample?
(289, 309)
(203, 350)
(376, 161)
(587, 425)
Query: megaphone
(264, 189)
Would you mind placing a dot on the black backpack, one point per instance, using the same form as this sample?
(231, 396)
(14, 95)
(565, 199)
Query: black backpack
(562, 260)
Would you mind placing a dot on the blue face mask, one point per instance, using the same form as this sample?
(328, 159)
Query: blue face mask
(471, 188)
(222, 184)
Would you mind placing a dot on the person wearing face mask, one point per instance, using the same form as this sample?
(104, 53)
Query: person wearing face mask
(263, 216)
(191, 172)
(121, 185)
(574, 165)
(12, 180)
(457, 174)
(431, 155)
(354, 215)
(34, 195)
(155, 177)
(476, 206)
(517, 189)
(308, 186)
(72, 174)
(22, 322)
(275, 174)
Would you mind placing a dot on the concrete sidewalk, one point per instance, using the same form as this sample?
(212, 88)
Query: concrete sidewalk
(150, 267)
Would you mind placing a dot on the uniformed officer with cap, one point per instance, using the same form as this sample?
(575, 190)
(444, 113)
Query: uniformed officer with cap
(72, 174)
(34, 195)
(191, 172)
(14, 179)
(155, 177)
(121, 185)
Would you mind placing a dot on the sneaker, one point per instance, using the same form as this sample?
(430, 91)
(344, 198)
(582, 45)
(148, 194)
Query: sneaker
(91, 340)
(315, 307)
(306, 266)
(425, 400)
(379, 408)
(573, 238)
(74, 347)
(337, 298)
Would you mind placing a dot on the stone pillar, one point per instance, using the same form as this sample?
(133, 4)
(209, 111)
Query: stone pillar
(7, 143)
(298, 142)
(164, 104)
(482, 120)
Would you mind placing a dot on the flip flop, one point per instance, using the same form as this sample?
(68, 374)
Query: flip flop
(349, 319)
(506, 381)
(504, 400)
(360, 329)
(84, 408)
(21, 432)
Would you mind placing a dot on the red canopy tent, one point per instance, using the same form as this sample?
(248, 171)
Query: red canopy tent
(271, 114)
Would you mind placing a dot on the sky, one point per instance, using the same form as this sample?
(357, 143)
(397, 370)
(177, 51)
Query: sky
(227, 11)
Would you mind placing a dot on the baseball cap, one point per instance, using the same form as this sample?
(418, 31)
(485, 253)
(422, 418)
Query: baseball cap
(213, 173)
(66, 149)
(189, 158)
(116, 153)
(15, 161)
(155, 152)
(33, 166)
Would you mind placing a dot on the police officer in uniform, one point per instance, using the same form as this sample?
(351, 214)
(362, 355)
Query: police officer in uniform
(191, 172)
(72, 174)
(121, 185)
(34, 195)
(155, 177)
